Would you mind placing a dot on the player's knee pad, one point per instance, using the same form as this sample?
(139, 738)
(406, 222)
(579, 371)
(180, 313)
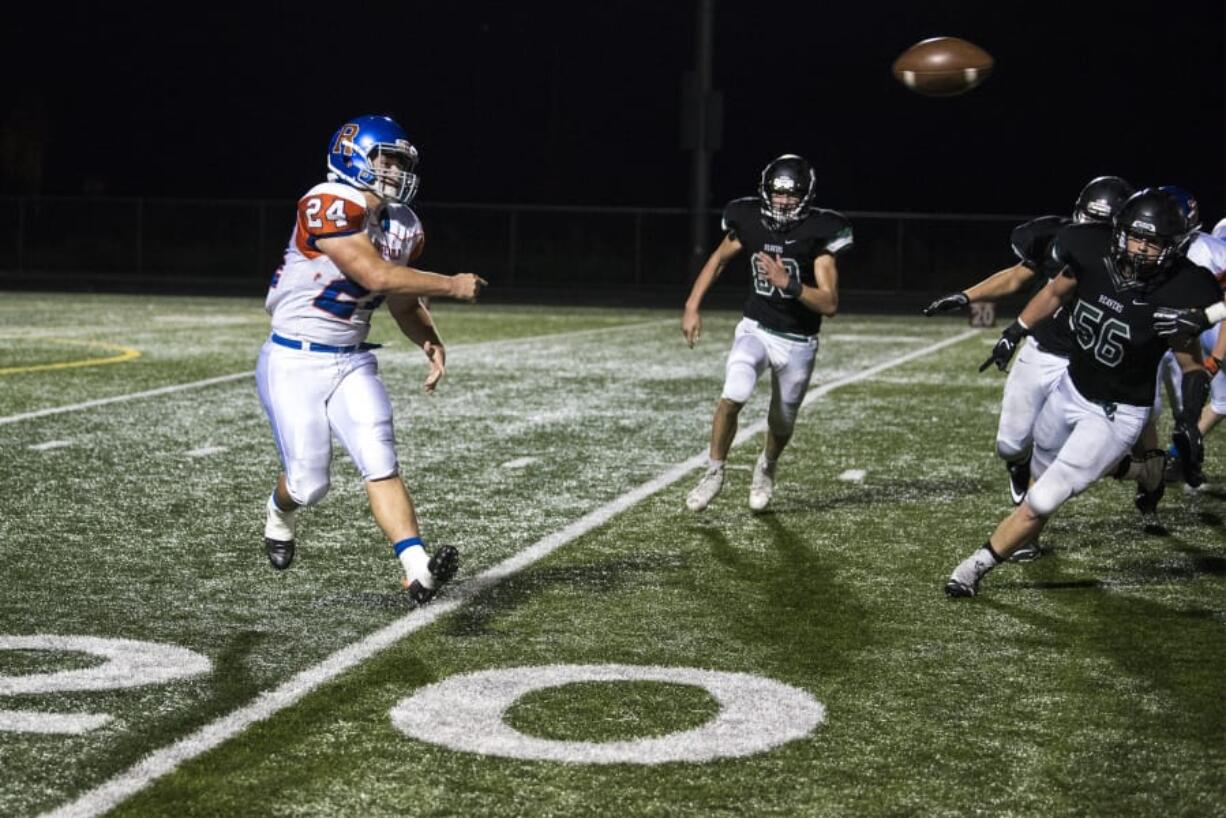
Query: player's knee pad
(374, 452)
(307, 485)
(1012, 449)
(1052, 489)
(739, 380)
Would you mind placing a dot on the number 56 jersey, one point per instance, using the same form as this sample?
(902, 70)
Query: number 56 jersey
(309, 298)
(1116, 351)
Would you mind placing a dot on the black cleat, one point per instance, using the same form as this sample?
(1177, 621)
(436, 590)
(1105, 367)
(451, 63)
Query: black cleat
(280, 552)
(1019, 480)
(442, 567)
(956, 589)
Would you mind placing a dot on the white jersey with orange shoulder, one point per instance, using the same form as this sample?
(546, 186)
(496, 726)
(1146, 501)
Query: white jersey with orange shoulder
(1208, 250)
(309, 298)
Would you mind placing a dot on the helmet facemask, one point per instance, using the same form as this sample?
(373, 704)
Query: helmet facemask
(1132, 266)
(785, 191)
(388, 171)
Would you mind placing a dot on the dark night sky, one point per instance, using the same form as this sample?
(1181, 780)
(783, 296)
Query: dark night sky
(577, 103)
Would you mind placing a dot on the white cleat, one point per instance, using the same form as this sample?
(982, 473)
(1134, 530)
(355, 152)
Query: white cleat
(964, 581)
(762, 487)
(706, 490)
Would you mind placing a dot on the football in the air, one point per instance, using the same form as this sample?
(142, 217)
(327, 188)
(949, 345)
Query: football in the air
(943, 66)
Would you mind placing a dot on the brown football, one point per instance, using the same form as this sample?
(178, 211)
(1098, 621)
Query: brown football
(943, 66)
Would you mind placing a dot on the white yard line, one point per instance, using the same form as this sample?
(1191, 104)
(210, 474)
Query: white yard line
(160, 762)
(148, 393)
(183, 387)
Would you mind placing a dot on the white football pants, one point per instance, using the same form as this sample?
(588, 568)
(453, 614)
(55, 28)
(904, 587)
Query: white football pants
(311, 396)
(1032, 377)
(791, 364)
(1075, 443)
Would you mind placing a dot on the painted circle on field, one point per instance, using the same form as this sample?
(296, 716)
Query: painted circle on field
(129, 663)
(465, 712)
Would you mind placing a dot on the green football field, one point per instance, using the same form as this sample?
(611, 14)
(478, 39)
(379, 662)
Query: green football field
(603, 651)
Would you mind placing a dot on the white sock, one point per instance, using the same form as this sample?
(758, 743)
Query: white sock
(715, 465)
(416, 564)
(280, 524)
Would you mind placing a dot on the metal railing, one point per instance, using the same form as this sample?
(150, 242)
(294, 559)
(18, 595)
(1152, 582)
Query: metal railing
(233, 246)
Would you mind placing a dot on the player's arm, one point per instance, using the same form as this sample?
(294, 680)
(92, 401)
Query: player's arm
(415, 321)
(1043, 306)
(1217, 355)
(823, 298)
(691, 320)
(1000, 284)
(357, 258)
(1170, 321)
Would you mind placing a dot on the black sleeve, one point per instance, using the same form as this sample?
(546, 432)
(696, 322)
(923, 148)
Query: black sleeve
(1032, 241)
(731, 220)
(1062, 257)
(839, 234)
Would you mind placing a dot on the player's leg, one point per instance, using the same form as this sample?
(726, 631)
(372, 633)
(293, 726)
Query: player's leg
(1051, 429)
(791, 369)
(1093, 443)
(1031, 378)
(360, 414)
(747, 360)
(293, 388)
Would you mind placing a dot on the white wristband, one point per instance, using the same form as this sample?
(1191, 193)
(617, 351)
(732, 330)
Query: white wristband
(1217, 313)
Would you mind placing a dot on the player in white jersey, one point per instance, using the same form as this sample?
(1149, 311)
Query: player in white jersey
(1206, 250)
(349, 252)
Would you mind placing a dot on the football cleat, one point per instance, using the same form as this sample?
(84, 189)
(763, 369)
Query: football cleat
(762, 486)
(441, 568)
(1019, 480)
(964, 581)
(280, 552)
(1027, 552)
(706, 490)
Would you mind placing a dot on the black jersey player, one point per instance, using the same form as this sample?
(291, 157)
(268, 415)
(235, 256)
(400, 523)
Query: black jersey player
(793, 283)
(1113, 279)
(1044, 358)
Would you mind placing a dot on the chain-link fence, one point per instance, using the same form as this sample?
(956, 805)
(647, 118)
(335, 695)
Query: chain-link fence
(553, 252)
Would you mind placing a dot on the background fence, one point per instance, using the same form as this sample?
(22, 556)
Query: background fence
(580, 254)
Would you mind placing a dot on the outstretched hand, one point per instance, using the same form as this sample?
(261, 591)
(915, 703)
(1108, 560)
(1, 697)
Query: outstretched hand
(947, 303)
(438, 364)
(467, 286)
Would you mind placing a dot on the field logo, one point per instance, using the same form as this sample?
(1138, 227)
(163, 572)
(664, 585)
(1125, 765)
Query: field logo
(128, 664)
(465, 712)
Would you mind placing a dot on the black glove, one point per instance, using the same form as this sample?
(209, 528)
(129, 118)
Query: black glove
(947, 303)
(1002, 353)
(1170, 321)
(1191, 447)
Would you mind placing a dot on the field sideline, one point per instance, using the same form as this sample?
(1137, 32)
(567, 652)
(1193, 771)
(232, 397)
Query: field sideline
(556, 456)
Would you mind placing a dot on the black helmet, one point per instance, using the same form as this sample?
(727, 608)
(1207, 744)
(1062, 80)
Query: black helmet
(1101, 198)
(1155, 217)
(789, 175)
